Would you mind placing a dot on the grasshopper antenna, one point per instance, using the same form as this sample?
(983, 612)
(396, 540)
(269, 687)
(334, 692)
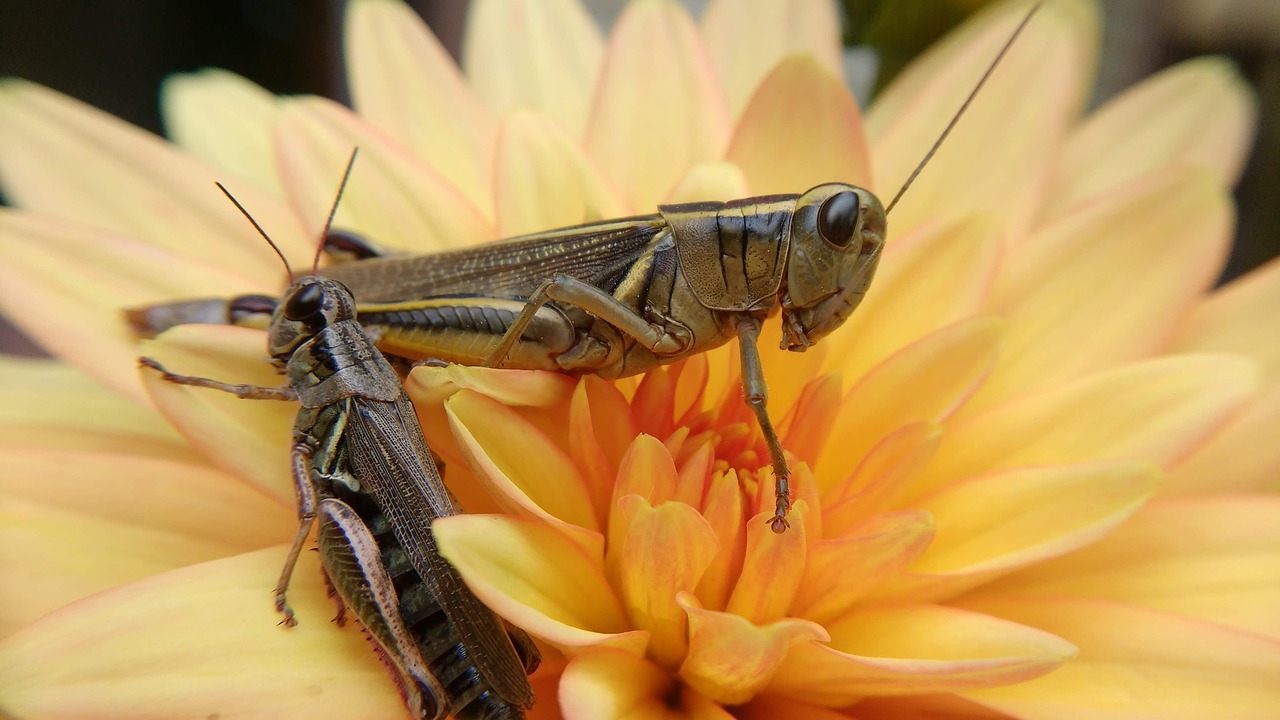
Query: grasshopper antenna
(963, 107)
(257, 227)
(315, 261)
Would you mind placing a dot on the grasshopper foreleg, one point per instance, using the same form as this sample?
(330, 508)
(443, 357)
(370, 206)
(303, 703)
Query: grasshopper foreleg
(756, 394)
(306, 492)
(250, 392)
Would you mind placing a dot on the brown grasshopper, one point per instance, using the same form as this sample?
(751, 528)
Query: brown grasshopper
(362, 470)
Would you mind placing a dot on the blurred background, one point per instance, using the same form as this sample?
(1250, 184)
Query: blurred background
(114, 54)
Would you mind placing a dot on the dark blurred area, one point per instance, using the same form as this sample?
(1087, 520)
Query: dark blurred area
(114, 55)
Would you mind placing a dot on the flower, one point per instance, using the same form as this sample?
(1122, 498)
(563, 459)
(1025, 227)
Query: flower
(1036, 472)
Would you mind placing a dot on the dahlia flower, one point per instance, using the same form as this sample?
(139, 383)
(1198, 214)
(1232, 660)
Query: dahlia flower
(1036, 472)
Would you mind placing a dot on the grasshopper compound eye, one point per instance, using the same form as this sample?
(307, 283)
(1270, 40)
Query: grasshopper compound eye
(304, 304)
(838, 218)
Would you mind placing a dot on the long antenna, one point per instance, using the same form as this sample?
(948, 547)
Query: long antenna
(967, 101)
(257, 227)
(315, 261)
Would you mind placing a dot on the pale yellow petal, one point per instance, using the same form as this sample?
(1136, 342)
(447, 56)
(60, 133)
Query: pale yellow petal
(225, 120)
(1242, 457)
(199, 641)
(716, 180)
(658, 109)
(611, 684)
(746, 40)
(66, 286)
(404, 83)
(1199, 112)
(542, 54)
(391, 197)
(997, 159)
(801, 128)
(62, 157)
(543, 178)
(1237, 318)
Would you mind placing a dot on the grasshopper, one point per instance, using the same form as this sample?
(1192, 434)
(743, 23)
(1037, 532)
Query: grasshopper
(362, 470)
(621, 297)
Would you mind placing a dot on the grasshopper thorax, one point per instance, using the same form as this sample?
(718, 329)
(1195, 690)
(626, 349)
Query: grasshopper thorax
(837, 234)
(311, 305)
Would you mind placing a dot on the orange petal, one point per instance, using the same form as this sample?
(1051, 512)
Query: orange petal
(772, 568)
(64, 158)
(1217, 559)
(777, 28)
(731, 659)
(1018, 118)
(550, 487)
(1199, 112)
(536, 54)
(248, 438)
(66, 287)
(723, 512)
(719, 181)
(665, 551)
(914, 650)
(647, 470)
(1137, 663)
(225, 120)
(535, 154)
(658, 109)
(200, 640)
(405, 84)
(928, 279)
(996, 523)
(841, 571)
(925, 381)
(89, 520)
(802, 128)
(1169, 233)
(537, 578)
(391, 197)
(1156, 410)
(807, 426)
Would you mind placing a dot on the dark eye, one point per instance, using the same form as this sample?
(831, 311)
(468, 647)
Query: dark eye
(304, 303)
(838, 217)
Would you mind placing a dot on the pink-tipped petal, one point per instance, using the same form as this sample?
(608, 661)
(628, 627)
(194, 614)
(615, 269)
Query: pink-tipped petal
(62, 157)
(197, 641)
(391, 198)
(543, 178)
(917, 650)
(404, 83)
(801, 128)
(777, 29)
(542, 54)
(1199, 112)
(658, 109)
(225, 120)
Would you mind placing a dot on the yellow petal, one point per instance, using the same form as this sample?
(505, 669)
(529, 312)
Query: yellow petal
(248, 438)
(802, 128)
(535, 154)
(197, 641)
(806, 426)
(776, 28)
(718, 180)
(1242, 457)
(46, 404)
(1199, 112)
(537, 578)
(1156, 410)
(917, 649)
(533, 53)
(405, 84)
(883, 476)
(665, 551)
(1229, 320)
(771, 569)
(1108, 284)
(925, 381)
(1137, 663)
(997, 159)
(646, 470)
(225, 120)
(515, 388)
(608, 684)
(730, 659)
(990, 525)
(723, 511)
(62, 157)
(391, 198)
(1217, 559)
(927, 279)
(657, 109)
(841, 571)
(67, 286)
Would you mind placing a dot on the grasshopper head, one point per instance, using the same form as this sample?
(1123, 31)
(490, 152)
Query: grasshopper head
(311, 305)
(836, 236)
